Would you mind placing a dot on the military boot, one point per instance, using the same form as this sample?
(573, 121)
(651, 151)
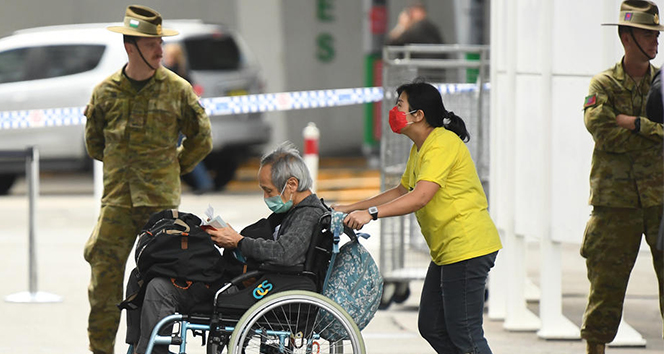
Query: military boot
(594, 348)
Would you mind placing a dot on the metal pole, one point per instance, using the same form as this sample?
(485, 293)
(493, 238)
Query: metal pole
(31, 155)
(32, 172)
(480, 128)
(384, 231)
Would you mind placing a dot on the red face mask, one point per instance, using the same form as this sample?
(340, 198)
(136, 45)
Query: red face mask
(398, 119)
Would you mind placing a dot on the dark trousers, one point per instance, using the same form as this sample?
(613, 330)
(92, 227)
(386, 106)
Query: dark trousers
(452, 306)
(107, 250)
(161, 299)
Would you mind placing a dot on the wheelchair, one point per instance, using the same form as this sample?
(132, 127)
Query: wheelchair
(282, 311)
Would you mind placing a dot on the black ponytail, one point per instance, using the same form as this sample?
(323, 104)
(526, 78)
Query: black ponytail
(456, 124)
(424, 96)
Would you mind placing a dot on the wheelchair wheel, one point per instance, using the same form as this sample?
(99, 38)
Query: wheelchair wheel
(296, 322)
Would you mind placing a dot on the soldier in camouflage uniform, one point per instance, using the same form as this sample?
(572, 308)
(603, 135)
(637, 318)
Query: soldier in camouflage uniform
(134, 119)
(626, 177)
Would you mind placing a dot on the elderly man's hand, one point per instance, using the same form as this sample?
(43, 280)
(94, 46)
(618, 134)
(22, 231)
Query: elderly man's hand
(225, 237)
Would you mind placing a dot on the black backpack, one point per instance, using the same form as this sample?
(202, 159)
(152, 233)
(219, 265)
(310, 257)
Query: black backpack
(173, 245)
(263, 228)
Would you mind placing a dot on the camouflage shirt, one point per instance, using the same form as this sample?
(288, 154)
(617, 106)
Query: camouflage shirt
(136, 135)
(627, 169)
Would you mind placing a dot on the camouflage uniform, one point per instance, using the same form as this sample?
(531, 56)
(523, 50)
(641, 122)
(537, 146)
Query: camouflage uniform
(136, 135)
(627, 183)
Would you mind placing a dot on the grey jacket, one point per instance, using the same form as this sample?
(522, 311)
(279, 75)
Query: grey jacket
(293, 239)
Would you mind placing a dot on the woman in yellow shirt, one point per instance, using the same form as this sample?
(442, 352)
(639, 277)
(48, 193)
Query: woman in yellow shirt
(441, 186)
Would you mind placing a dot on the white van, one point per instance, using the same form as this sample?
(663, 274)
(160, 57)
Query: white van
(58, 66)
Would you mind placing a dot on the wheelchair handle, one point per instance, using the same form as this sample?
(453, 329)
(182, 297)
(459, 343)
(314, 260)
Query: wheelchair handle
(338, 227)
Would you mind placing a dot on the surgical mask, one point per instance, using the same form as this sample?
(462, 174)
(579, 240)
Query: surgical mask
(398, 119)
(277, 205)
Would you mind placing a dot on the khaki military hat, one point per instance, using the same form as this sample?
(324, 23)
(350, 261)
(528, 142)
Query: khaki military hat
(142, 21)
(640, 14)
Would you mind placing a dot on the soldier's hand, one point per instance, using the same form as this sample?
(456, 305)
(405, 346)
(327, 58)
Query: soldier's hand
(625, 121)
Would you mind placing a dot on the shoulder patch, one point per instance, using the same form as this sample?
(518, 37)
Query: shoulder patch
(200, 105)
(590, 101)
(89, 109)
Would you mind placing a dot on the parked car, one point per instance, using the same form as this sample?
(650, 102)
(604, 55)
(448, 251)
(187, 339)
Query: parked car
(58, 66)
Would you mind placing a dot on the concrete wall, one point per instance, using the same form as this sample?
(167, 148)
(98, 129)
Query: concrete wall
(546, 178)
(301, 45)
(16, 15)
(324, 50)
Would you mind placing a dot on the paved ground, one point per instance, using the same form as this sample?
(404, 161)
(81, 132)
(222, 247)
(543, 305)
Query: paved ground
(66, 213)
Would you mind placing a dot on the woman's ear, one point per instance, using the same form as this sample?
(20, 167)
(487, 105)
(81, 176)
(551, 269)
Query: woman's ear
(418, 116)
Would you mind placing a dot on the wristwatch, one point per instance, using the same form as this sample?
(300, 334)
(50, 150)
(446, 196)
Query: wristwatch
(374, 212)
(637, 125)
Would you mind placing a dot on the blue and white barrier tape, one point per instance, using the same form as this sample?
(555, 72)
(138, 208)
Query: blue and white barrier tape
(286, 101)
(39, 118)
(217, 106)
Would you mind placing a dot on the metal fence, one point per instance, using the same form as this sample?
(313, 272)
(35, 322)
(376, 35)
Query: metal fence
(404, 254)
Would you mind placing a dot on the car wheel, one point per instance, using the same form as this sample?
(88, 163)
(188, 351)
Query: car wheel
(6, 183)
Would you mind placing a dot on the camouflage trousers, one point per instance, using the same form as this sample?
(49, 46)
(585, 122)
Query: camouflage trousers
(107, 250)
(610, 245)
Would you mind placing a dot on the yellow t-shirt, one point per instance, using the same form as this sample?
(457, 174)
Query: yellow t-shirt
(455, 223)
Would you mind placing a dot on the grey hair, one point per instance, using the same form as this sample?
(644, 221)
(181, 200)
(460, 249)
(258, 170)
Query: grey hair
(286, 162)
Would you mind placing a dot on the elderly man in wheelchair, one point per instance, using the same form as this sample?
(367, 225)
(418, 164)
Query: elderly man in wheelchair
(237, 314)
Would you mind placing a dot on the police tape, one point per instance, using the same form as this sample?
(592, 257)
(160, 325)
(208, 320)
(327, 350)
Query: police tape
(228, 105)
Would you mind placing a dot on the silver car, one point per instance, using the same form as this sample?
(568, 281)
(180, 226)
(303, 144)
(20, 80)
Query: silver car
(58, 66)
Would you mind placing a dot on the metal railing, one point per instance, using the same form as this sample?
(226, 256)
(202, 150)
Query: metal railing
(403, 251)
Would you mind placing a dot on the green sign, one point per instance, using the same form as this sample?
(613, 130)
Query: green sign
(325, 47)
(325, 41)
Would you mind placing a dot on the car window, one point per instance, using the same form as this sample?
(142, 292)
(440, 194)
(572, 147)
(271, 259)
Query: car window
(48, 62)
(65, 60)
(13, 65)
(212, 53)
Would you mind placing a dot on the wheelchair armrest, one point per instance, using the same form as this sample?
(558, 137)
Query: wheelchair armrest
(266, 268)
(237, 281)
(271, 268)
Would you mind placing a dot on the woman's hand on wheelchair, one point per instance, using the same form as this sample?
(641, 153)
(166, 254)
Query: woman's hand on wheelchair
(357, 219)
(225, 237)
(341, 208)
